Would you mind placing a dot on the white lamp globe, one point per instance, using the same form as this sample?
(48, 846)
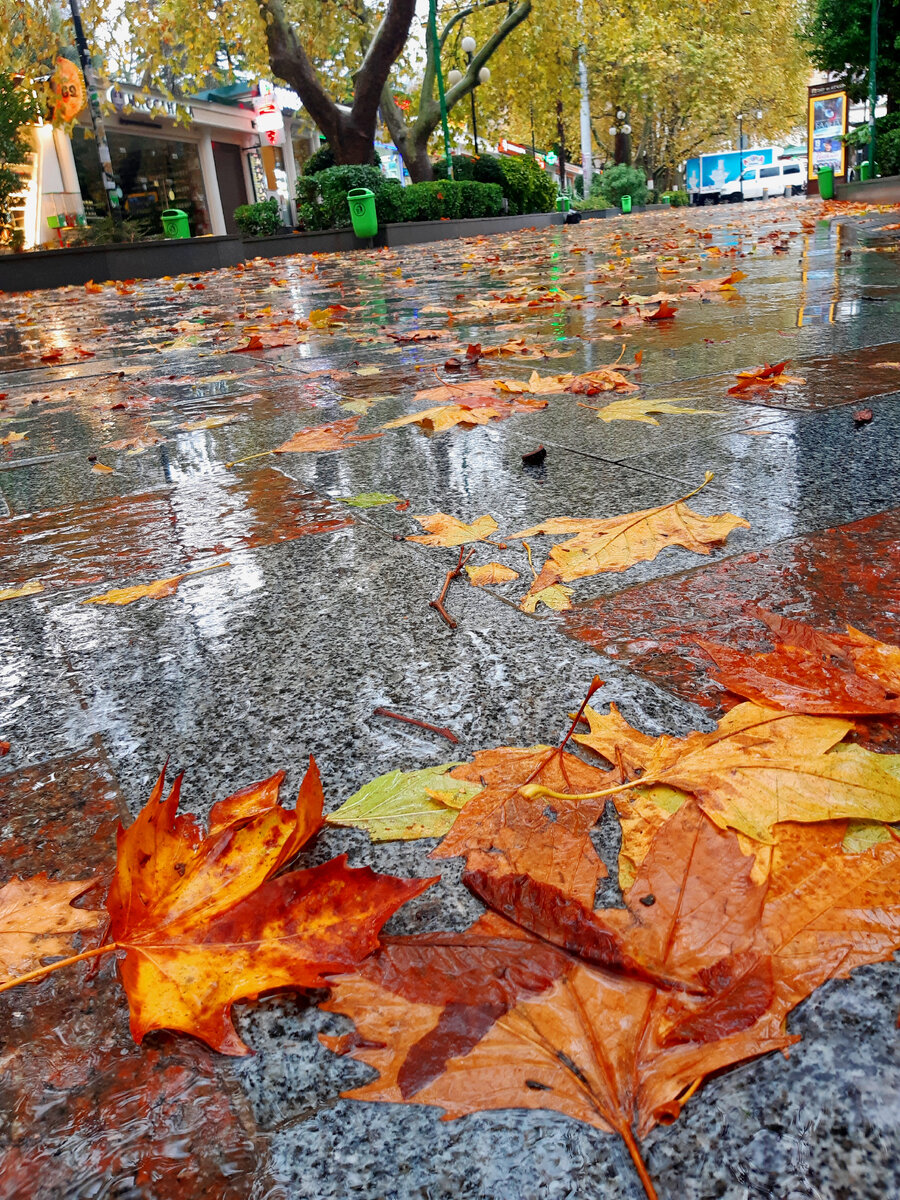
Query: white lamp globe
(613, 131)
(626, 129)
(620, 115)
(469, 44)
(453, 77)
(484, 75)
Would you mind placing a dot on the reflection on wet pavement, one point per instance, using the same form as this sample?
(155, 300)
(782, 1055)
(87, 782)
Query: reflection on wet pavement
(136, 429)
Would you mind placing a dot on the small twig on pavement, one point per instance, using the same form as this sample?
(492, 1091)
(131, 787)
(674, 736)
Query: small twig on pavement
(438, 604)
(441, 729)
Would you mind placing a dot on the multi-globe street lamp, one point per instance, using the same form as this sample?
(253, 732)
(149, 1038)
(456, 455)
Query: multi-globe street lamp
(454, 77)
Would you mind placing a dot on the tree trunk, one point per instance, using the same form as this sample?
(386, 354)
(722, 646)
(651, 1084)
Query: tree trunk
(561, 135)
(350, 134)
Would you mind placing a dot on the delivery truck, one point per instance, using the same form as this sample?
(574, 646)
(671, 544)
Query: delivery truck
(709, 176)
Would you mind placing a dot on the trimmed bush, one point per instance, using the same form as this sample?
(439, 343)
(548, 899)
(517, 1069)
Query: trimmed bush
(453, 199)
(485, 168)
(320, 160)
(259, 220)
(322, 197)
(527, 188)
(622, 180)
(677, 199)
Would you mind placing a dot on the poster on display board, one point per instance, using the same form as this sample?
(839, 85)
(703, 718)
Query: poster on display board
(827, 126)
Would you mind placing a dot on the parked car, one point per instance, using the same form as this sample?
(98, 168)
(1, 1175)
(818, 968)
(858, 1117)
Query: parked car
(779, 179)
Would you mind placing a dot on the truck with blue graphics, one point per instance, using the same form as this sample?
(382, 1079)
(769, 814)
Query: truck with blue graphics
(711, 178)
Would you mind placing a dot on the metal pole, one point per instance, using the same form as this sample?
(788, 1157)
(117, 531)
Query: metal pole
(531, 111)
(741, 151)
(107, 177)
(873, 90)
(472, 97)
(436, 50)
(587, 165)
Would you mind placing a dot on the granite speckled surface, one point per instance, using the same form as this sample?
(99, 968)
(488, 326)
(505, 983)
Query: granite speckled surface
(288, 649)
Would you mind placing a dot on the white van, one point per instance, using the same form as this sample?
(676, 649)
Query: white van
(779, 179)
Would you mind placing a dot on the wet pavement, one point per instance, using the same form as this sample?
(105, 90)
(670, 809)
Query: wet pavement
(316, 614)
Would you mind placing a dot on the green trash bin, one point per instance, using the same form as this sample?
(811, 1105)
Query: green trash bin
(865, 170)
(362, 212)
(175, 223)
(562, 204)
(626, 204)
(826, 183)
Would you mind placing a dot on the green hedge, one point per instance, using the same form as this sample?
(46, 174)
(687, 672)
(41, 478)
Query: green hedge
(453, 199)
(258, 220)
(526, 187)
(322, 198)
(677, 199)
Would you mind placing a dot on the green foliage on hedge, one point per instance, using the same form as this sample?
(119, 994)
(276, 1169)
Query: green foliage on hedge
(322, 198)
(453, 199)
(321, 160)
(676, 199)
(526, 187)
(258, 220)
(621, 180)
(887, 142)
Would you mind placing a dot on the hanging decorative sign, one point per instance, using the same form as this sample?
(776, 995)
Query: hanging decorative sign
(67, 86)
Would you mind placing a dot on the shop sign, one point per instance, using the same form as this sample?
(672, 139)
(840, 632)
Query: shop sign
(68, 88)
(121, 98)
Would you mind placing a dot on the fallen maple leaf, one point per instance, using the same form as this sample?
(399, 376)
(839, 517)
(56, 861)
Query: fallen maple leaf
(765, 376)
(617, 543)
(158, 590)
(444, 530)
(418, 335)
(333, 436)
(488, 573)
(760, 767)
(725, 283)
(637, 408)
(31, 588)
(37, 922)
(403, 805)
(665, 312)
(605, 379)
(475, 410)
(555, 596)
(496, 1017)
(207, 423)
(810, 672)
(369, 499)
(201, 923)
(12, 438)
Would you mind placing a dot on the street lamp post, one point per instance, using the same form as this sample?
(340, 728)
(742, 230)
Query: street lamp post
(436, 50)
(873, 89)
(468, 45)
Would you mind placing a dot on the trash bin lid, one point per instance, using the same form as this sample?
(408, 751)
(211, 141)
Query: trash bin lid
(174, 212)
(359, 193)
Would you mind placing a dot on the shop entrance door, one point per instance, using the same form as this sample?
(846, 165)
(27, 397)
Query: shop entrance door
(230, 173)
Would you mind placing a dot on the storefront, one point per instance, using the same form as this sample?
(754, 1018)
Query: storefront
(202, 156)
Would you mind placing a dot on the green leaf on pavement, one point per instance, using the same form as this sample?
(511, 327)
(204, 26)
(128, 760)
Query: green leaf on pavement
(369, 499)
(404, 805)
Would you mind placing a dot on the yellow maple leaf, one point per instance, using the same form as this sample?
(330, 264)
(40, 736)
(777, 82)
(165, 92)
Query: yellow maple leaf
(492, 572)
(444, 530)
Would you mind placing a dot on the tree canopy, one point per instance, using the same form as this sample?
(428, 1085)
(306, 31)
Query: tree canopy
(838, 33)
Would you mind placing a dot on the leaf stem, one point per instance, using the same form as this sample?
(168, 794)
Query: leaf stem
(534, 789)
(57, 966)
(237, 462)
(634, 1150)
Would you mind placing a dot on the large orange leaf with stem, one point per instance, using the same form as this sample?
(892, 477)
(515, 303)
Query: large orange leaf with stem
(201, 920)
(617, 543)
(698, 972)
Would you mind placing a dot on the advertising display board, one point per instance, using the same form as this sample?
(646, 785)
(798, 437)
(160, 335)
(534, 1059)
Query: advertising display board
(827, 125)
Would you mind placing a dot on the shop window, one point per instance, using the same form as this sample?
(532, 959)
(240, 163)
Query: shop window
(154, 174)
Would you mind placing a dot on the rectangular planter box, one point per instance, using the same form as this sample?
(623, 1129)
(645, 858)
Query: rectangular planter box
(131, 260)
(414, 233)
(329, 241)
(874, 191)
